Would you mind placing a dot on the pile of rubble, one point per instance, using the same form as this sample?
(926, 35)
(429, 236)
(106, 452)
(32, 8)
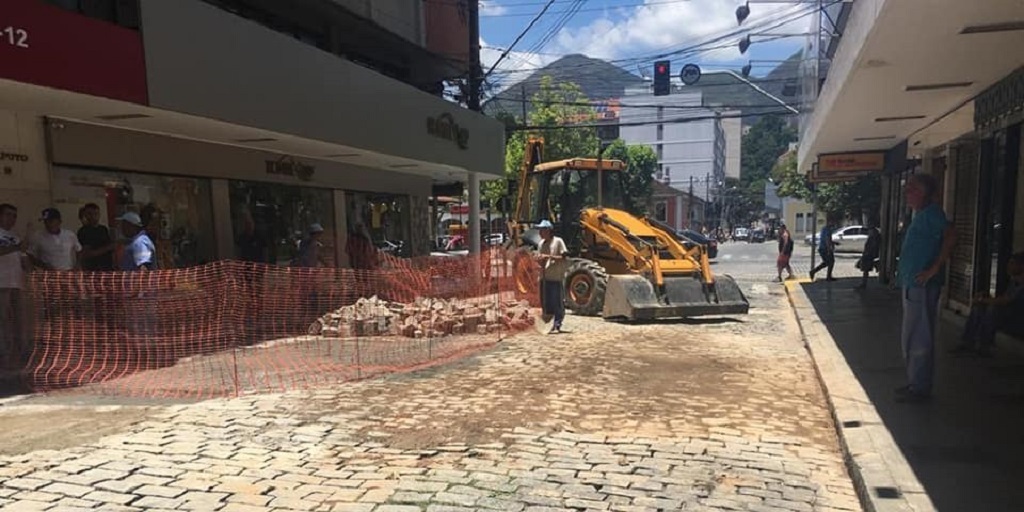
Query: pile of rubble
(424, 318)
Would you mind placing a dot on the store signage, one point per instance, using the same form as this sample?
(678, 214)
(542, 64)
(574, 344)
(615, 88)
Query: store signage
(445, 127)
(838, 163)
(45, 45)
(289, 166)
(7, 161)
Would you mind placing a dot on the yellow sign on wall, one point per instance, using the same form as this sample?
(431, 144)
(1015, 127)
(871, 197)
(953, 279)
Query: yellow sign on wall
(838, 163)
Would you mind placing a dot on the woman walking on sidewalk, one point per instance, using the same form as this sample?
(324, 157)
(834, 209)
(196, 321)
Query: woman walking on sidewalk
(785, 253)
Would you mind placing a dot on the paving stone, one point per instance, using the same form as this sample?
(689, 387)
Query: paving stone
(397, 508)
(411, 497)
(353, 507)
(462, 500)
(156, 502)
(113, 498)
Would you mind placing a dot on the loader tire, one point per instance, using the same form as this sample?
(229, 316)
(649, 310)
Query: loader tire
(585, 285)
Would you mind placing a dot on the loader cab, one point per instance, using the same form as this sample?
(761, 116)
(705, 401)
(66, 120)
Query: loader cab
(560, 191)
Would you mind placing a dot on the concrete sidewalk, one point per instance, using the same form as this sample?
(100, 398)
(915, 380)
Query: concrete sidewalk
(963, 451)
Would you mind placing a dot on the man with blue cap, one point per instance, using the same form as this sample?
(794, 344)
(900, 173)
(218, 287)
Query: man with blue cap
(552, 248)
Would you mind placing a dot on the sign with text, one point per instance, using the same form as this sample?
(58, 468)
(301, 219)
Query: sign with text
(839, 163)
(45, 45)
(445, 127)
(839, 167)
(9, 161)
(289, 166)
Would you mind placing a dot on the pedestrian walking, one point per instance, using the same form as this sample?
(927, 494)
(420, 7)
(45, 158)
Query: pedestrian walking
(928, 243)
(785, 253)
(55, 248)
(551, 250)
(13, 338)
(826, 249)
(869, 256)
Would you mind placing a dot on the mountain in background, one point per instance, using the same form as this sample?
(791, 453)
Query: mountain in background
(598, 79)
(601, 80)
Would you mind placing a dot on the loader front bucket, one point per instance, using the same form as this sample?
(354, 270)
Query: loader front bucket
(633, 297)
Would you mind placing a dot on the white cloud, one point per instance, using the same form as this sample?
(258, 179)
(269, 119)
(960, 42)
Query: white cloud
(513, 68)
(659, 26)
(492, 8)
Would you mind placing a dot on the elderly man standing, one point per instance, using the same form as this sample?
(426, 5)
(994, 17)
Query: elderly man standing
(13, 338)
(927, 246)
(552, 248)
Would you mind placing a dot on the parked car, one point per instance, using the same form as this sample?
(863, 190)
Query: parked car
(757, 236)
(697, 238)
(741, 234)
(847, 239)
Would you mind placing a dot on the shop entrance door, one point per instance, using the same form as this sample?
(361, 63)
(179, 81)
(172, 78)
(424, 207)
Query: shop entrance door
(1000, 163)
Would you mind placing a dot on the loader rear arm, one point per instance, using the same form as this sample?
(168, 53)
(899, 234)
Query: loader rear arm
(625, 243)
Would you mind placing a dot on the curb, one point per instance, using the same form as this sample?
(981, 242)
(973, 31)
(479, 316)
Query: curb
(884, 480)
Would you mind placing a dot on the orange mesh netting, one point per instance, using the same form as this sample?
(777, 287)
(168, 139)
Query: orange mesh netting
(231, 328)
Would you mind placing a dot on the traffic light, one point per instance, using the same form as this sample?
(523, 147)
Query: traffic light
(662, 78)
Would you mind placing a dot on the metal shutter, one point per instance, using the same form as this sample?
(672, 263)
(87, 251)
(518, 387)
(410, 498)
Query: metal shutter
(961, 266)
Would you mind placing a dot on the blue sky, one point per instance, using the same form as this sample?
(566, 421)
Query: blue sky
(630, 31)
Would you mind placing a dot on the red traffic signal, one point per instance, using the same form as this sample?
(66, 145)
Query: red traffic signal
(662, 77)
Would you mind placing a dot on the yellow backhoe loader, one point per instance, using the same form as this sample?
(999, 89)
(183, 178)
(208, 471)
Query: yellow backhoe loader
(621, 266)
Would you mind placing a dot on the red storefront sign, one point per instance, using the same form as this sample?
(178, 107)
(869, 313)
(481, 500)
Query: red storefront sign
(46, 45)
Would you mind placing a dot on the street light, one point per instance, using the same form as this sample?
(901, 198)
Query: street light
(743, 11)
(745, 42)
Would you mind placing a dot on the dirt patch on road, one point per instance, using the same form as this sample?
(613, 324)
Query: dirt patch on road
(30, 429)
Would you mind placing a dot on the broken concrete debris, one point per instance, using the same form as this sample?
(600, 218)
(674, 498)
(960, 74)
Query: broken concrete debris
(423, 318)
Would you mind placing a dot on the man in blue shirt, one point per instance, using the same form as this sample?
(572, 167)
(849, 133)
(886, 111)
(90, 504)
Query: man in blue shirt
(140, 253)
(927, 245)
(826, 249)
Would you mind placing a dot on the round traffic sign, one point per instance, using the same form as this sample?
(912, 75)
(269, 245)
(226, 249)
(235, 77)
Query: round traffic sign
(690, 74)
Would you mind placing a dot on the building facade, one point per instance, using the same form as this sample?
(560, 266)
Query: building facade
(223, 119)
(946, 99)
(689, 140)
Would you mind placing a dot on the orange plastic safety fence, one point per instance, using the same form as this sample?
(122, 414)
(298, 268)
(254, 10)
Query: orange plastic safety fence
(231, 328)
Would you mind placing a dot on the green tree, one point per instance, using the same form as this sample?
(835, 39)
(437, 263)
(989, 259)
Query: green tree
(553, 107)
(638, 182)
(850, 199)
(766, 141)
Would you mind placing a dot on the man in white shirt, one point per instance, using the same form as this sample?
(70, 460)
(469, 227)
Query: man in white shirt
(12, 281)
(552, 249)
(55, 248)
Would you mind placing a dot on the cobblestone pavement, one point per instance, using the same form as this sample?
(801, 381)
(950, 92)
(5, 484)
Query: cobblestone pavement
(716, 415)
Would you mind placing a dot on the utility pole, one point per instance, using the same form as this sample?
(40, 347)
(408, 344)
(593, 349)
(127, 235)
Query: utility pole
(473, 101)
(707, 196)
(689, 206)
(522, 94)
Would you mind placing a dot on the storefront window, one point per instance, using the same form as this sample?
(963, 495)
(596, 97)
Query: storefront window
(270, 221)
(385, 217)
(177, 211)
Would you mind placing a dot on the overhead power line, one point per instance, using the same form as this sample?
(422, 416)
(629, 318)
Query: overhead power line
(773, 21)
(519, 37)
(632, 105)
(591, 9)
(678, 120)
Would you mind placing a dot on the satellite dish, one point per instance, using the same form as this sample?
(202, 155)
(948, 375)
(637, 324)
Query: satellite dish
(690, 74)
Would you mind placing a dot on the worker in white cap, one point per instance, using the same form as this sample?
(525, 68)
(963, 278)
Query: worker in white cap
(140, 252)
(552, 248)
